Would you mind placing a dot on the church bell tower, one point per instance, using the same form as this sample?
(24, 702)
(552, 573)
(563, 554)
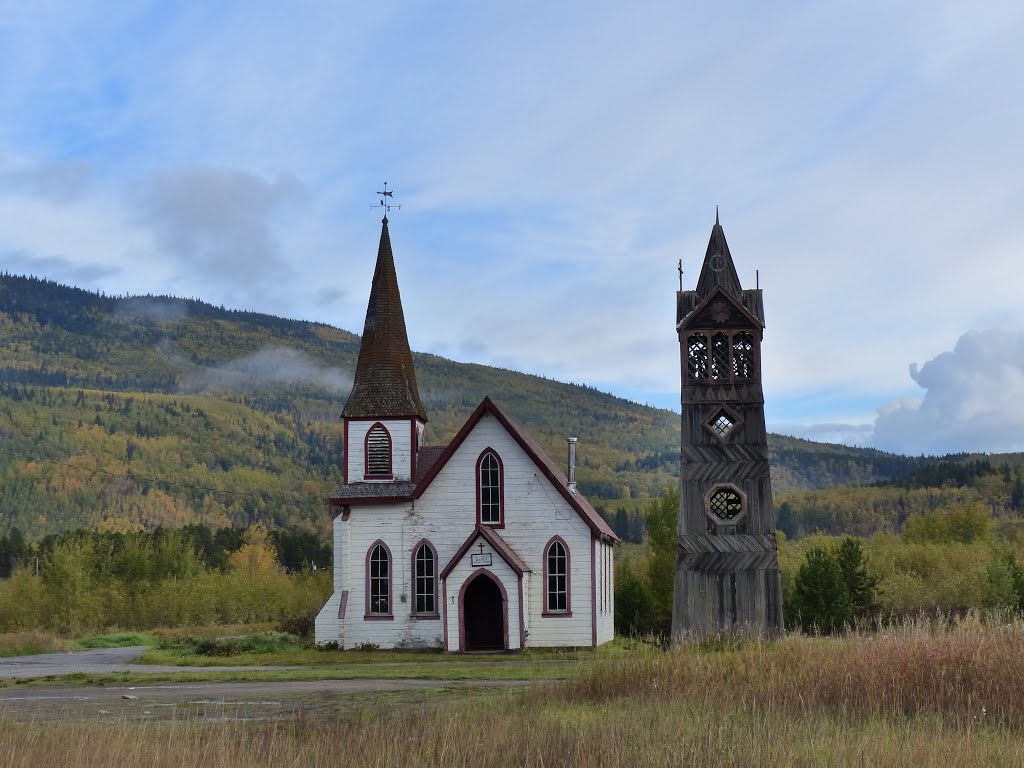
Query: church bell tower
(727, 569)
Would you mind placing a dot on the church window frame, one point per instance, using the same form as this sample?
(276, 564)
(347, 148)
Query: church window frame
(743, 364)
(378, 453)
(425, 581)
(490, 489)
(379, 575)
(719, 499)
(697, 356)
(557, 578)
(720, 368)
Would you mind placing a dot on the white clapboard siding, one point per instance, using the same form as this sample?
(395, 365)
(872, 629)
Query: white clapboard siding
(445, 515)
(401, 431)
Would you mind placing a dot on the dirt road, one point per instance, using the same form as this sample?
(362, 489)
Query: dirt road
(212, 701)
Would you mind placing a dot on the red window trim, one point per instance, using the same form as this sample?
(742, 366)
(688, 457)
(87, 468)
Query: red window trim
(366, 454)
(435, 614)
(462, 605)
(568, 580)
(501, 489)
(367, 615)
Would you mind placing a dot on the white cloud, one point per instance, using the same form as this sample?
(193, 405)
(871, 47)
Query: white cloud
(974, 399)
(554, 161)
(217, 223)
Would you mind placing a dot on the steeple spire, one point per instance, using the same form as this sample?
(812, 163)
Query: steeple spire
(385, 382)
(718, 269)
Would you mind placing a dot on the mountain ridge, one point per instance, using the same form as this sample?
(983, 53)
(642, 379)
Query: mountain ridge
(250, 403)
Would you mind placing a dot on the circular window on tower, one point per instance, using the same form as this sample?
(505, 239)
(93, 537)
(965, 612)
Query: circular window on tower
(726, 504)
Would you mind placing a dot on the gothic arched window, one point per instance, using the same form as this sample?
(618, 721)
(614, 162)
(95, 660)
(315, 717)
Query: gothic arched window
(556, 577)
(378, 581)
(425, 567)
(378, 452)
(489, 489)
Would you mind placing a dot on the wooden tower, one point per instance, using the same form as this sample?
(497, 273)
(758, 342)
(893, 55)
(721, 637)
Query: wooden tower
(727, 571)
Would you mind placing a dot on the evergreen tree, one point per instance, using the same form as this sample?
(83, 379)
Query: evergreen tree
(662, 519)
(861, 585)
(821, 600)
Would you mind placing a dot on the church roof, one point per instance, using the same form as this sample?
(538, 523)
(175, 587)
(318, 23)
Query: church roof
(718, 269)
(385, 381)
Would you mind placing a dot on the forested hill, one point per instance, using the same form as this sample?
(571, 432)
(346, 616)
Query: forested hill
(153, 410)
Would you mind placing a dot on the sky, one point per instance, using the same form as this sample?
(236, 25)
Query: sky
(553, 162)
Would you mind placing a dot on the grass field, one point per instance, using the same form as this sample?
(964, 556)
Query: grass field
(922, 694)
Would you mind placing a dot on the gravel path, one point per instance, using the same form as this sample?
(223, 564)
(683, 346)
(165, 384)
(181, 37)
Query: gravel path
(210, 701)
(92, 662)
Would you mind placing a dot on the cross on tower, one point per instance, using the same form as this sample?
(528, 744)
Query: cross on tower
(481, 545)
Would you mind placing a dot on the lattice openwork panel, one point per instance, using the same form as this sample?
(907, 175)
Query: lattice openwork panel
(743, 356)
(725, 504)
(720, 356)
(697, 356)
(722, 424)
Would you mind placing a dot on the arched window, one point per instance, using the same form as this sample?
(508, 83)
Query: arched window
(556, 577)
(490, 493)
(697, 356)
(378, 581)
(425, 567)
(378, 452)
(743, 356)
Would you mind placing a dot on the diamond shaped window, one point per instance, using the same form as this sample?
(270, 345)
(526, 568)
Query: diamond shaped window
(722, 424)
(725, 504)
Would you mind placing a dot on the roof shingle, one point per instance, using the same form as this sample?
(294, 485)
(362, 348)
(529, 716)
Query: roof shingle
(385, 381)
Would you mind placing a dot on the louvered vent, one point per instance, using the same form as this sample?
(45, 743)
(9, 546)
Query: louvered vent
(378, 452)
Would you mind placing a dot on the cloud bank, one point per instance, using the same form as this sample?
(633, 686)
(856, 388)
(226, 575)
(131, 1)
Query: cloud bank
(218, 222)
(973, 401)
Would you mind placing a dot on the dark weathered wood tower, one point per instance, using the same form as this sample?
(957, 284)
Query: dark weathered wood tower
(727, 571)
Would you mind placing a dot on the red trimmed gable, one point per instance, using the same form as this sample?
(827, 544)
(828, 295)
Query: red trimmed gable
(543, 462)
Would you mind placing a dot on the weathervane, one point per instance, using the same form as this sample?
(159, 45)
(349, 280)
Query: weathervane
(386, 202)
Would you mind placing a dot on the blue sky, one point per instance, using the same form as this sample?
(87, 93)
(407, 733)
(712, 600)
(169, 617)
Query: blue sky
(554, 161)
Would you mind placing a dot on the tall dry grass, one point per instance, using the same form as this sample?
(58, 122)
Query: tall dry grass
(921, 694)
(31, 641)
(961, 670)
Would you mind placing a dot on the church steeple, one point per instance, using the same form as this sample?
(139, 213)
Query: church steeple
(385, 381)
(718, 269)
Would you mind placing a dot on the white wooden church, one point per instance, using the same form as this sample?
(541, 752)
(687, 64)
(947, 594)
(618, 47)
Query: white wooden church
(480, 544)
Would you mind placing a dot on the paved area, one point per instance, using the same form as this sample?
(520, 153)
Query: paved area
(90, 662)
(212, 701)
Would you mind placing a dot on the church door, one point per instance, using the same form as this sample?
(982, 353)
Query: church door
(483, 612)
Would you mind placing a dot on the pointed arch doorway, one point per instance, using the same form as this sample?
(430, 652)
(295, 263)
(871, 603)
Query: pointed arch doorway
(483, 614)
